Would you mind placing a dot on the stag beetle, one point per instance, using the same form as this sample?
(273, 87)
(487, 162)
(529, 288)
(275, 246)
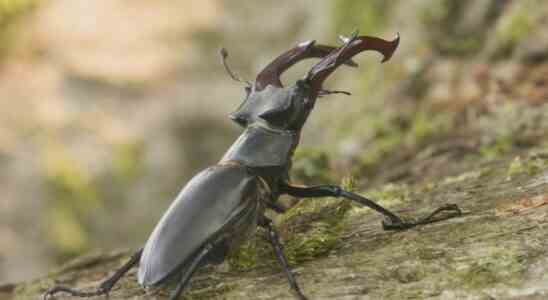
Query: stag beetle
(223, 204)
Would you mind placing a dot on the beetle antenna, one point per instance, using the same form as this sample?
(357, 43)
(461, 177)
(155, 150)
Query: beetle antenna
(322, 93)
(234, 76)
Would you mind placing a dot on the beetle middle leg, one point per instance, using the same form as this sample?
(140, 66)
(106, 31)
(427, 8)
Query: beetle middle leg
(274, 240)
(392, 221)
(105, 286)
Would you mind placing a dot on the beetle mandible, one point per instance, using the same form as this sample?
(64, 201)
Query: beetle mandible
(228, 200)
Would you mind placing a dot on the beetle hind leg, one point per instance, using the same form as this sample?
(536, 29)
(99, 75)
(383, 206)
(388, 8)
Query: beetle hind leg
(189, 271)
(105, 286)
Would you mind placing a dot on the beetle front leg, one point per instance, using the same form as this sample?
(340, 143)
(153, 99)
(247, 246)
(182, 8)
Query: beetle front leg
(392, 222)
(105, 286)
(274, 240)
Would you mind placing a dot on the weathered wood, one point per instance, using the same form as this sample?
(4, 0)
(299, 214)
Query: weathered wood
(496, 250)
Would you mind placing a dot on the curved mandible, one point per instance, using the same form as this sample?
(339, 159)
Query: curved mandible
(271, 73)
(352, 46)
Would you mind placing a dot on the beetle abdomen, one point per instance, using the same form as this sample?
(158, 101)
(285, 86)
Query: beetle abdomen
(210, 206)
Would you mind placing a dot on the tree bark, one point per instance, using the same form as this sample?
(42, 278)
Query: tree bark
(496, 250)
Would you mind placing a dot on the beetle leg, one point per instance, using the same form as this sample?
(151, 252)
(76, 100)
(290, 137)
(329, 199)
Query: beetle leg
(392, 222)
(274, 240)
(185, 277)
(105, 286)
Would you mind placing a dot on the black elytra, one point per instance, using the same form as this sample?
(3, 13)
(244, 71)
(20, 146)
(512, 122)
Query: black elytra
(222, 205)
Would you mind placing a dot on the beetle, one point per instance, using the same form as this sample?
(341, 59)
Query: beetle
(226, 202)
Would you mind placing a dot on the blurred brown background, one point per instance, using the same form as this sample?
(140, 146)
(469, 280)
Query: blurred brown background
(108, 107)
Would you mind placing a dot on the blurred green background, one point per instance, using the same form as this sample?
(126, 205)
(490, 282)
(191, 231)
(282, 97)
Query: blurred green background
(109, 107)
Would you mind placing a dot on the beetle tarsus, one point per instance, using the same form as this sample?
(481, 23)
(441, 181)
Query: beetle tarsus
(274, 240)
(399, 224)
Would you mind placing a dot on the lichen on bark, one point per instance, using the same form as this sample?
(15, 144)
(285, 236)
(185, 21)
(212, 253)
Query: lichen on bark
(496, 249)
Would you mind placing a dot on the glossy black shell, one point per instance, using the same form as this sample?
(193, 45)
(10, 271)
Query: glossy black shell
(259, 103)
(274, 107)
(217, 202)
(258, 146)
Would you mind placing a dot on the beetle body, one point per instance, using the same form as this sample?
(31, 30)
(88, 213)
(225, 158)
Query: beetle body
(223, 204)
(226, 200)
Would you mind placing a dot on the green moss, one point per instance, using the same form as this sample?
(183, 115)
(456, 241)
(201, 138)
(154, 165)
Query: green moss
(501, 145)
(245, 257)
(349, 183)
(441, 20)
(391, 136)
(367, 16)
(407, 273)
(74, 198)
(487, 172)
(127, 163)
(427, 124)
(319, 240)
(30, 290)
(311, 165)
(68, 234)
(10, 12)
(391, 194)
(212, 292)
(529, 166)
(312, 228)
(381, 149)
(514, 26)
(12, 8)
(462, 177)
(388, 138)
(69, 181)
(493, 266)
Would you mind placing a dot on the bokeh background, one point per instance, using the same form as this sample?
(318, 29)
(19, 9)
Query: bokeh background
(108, 107)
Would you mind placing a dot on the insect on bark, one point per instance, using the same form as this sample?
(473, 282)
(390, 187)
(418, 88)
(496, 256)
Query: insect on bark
(230, 198)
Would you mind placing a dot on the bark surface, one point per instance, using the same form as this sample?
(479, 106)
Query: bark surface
(496, 250)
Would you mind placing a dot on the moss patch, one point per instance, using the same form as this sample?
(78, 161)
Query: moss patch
(10, 12)
(514, 26)
(493, 265)
(367, 16)
(312, 227)
(529, 166)
(127, 163)
(311, 165)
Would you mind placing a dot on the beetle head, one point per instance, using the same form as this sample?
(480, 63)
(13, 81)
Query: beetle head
(287, 108)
